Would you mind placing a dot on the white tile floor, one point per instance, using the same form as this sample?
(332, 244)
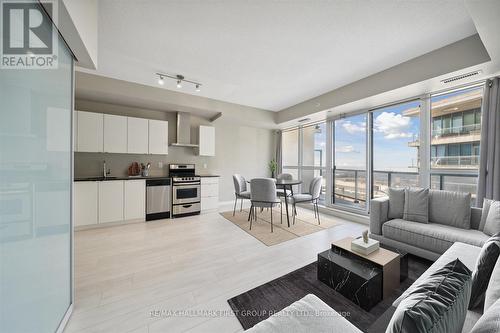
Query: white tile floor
(194, 264)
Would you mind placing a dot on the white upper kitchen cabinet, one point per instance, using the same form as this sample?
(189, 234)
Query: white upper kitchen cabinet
(89, 132)
(158, 137)
(137, 137)
(115, 134)
(86, 202)
(135, 200)
(111, 201)
(207, 141)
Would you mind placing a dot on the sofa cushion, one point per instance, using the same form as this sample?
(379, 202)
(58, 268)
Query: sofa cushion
(416, 207)
(475, 217)
(396, 202)
(492, 224)
(489, 321)
(470, 320)
(433, 237)
(467, 254)
(484, 268)
(309, 314)
(437, 304)
(493, 290)
(450, 208)
(484, 215)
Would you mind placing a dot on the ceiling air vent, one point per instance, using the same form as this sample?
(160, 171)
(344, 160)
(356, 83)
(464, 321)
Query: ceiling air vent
(461, 77)
(303, 120)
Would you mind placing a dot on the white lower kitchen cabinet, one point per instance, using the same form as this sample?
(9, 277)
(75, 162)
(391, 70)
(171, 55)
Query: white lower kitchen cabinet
(135, 199)
(209, 193)
(111, 195)
(85, 203)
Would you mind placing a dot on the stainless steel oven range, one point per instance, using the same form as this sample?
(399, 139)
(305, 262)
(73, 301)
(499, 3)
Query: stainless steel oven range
(186, 190)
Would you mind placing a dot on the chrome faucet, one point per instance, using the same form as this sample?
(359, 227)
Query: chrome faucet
(105, 171)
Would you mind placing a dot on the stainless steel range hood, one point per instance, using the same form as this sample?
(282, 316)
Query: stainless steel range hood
(184, 130)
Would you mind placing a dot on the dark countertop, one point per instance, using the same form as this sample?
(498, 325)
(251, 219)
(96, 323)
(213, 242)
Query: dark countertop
(100, 179)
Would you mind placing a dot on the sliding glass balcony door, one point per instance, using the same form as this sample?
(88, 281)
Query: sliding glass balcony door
(455, 139)
(314, 155)
(35, 196)
(350, 162)
(395, 132)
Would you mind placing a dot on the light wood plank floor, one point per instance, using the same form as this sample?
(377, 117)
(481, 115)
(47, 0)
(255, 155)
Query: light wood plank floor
(176, 275)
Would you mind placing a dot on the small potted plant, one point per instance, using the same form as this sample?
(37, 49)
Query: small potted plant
(273, 166)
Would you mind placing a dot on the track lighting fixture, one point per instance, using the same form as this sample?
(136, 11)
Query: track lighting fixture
(180, 79)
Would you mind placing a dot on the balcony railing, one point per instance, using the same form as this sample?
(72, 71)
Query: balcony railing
(463, 162)
(457, 130)
(350, 184)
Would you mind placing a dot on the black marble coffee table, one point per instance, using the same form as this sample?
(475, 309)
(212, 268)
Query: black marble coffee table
(365, 280)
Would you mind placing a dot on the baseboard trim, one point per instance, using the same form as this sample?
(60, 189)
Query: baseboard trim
(65, 319)
(108, 224)
(353, 217)
(363, 219)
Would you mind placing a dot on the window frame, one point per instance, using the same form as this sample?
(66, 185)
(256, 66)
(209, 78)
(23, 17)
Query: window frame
(427, 130)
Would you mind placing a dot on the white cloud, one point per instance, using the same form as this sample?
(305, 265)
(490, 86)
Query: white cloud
(352, 128)
(345, 149)
(392, 125)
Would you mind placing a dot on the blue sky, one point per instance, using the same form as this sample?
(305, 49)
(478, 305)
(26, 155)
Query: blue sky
(392, 132)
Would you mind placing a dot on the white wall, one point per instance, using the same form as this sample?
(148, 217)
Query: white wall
(85, 18)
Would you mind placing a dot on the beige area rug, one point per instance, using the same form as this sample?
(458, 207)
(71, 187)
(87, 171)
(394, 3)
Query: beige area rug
(305, 224)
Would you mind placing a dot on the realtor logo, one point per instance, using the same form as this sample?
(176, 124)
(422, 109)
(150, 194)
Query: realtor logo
(29, 38)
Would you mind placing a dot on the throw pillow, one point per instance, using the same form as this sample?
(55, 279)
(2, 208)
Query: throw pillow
(484, 267)
(492, 225)
(484, 214)
(450, 208)
(416, 206)
(493, 291)
(489, 321)
(396, 203)
(437, 304)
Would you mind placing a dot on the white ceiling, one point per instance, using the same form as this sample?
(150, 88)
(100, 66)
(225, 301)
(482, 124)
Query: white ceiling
(270, 54)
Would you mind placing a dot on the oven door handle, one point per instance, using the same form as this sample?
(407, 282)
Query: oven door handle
(185, 184)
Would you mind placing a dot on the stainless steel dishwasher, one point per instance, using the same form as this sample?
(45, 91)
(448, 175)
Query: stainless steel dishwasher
(158, 199)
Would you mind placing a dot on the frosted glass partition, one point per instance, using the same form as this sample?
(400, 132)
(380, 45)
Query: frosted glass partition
(35, 196)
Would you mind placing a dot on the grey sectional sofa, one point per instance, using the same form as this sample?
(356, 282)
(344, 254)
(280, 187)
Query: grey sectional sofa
(451, 219)
(310, 314)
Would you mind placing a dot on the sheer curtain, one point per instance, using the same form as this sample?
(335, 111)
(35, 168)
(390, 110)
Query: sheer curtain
(489, 167)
